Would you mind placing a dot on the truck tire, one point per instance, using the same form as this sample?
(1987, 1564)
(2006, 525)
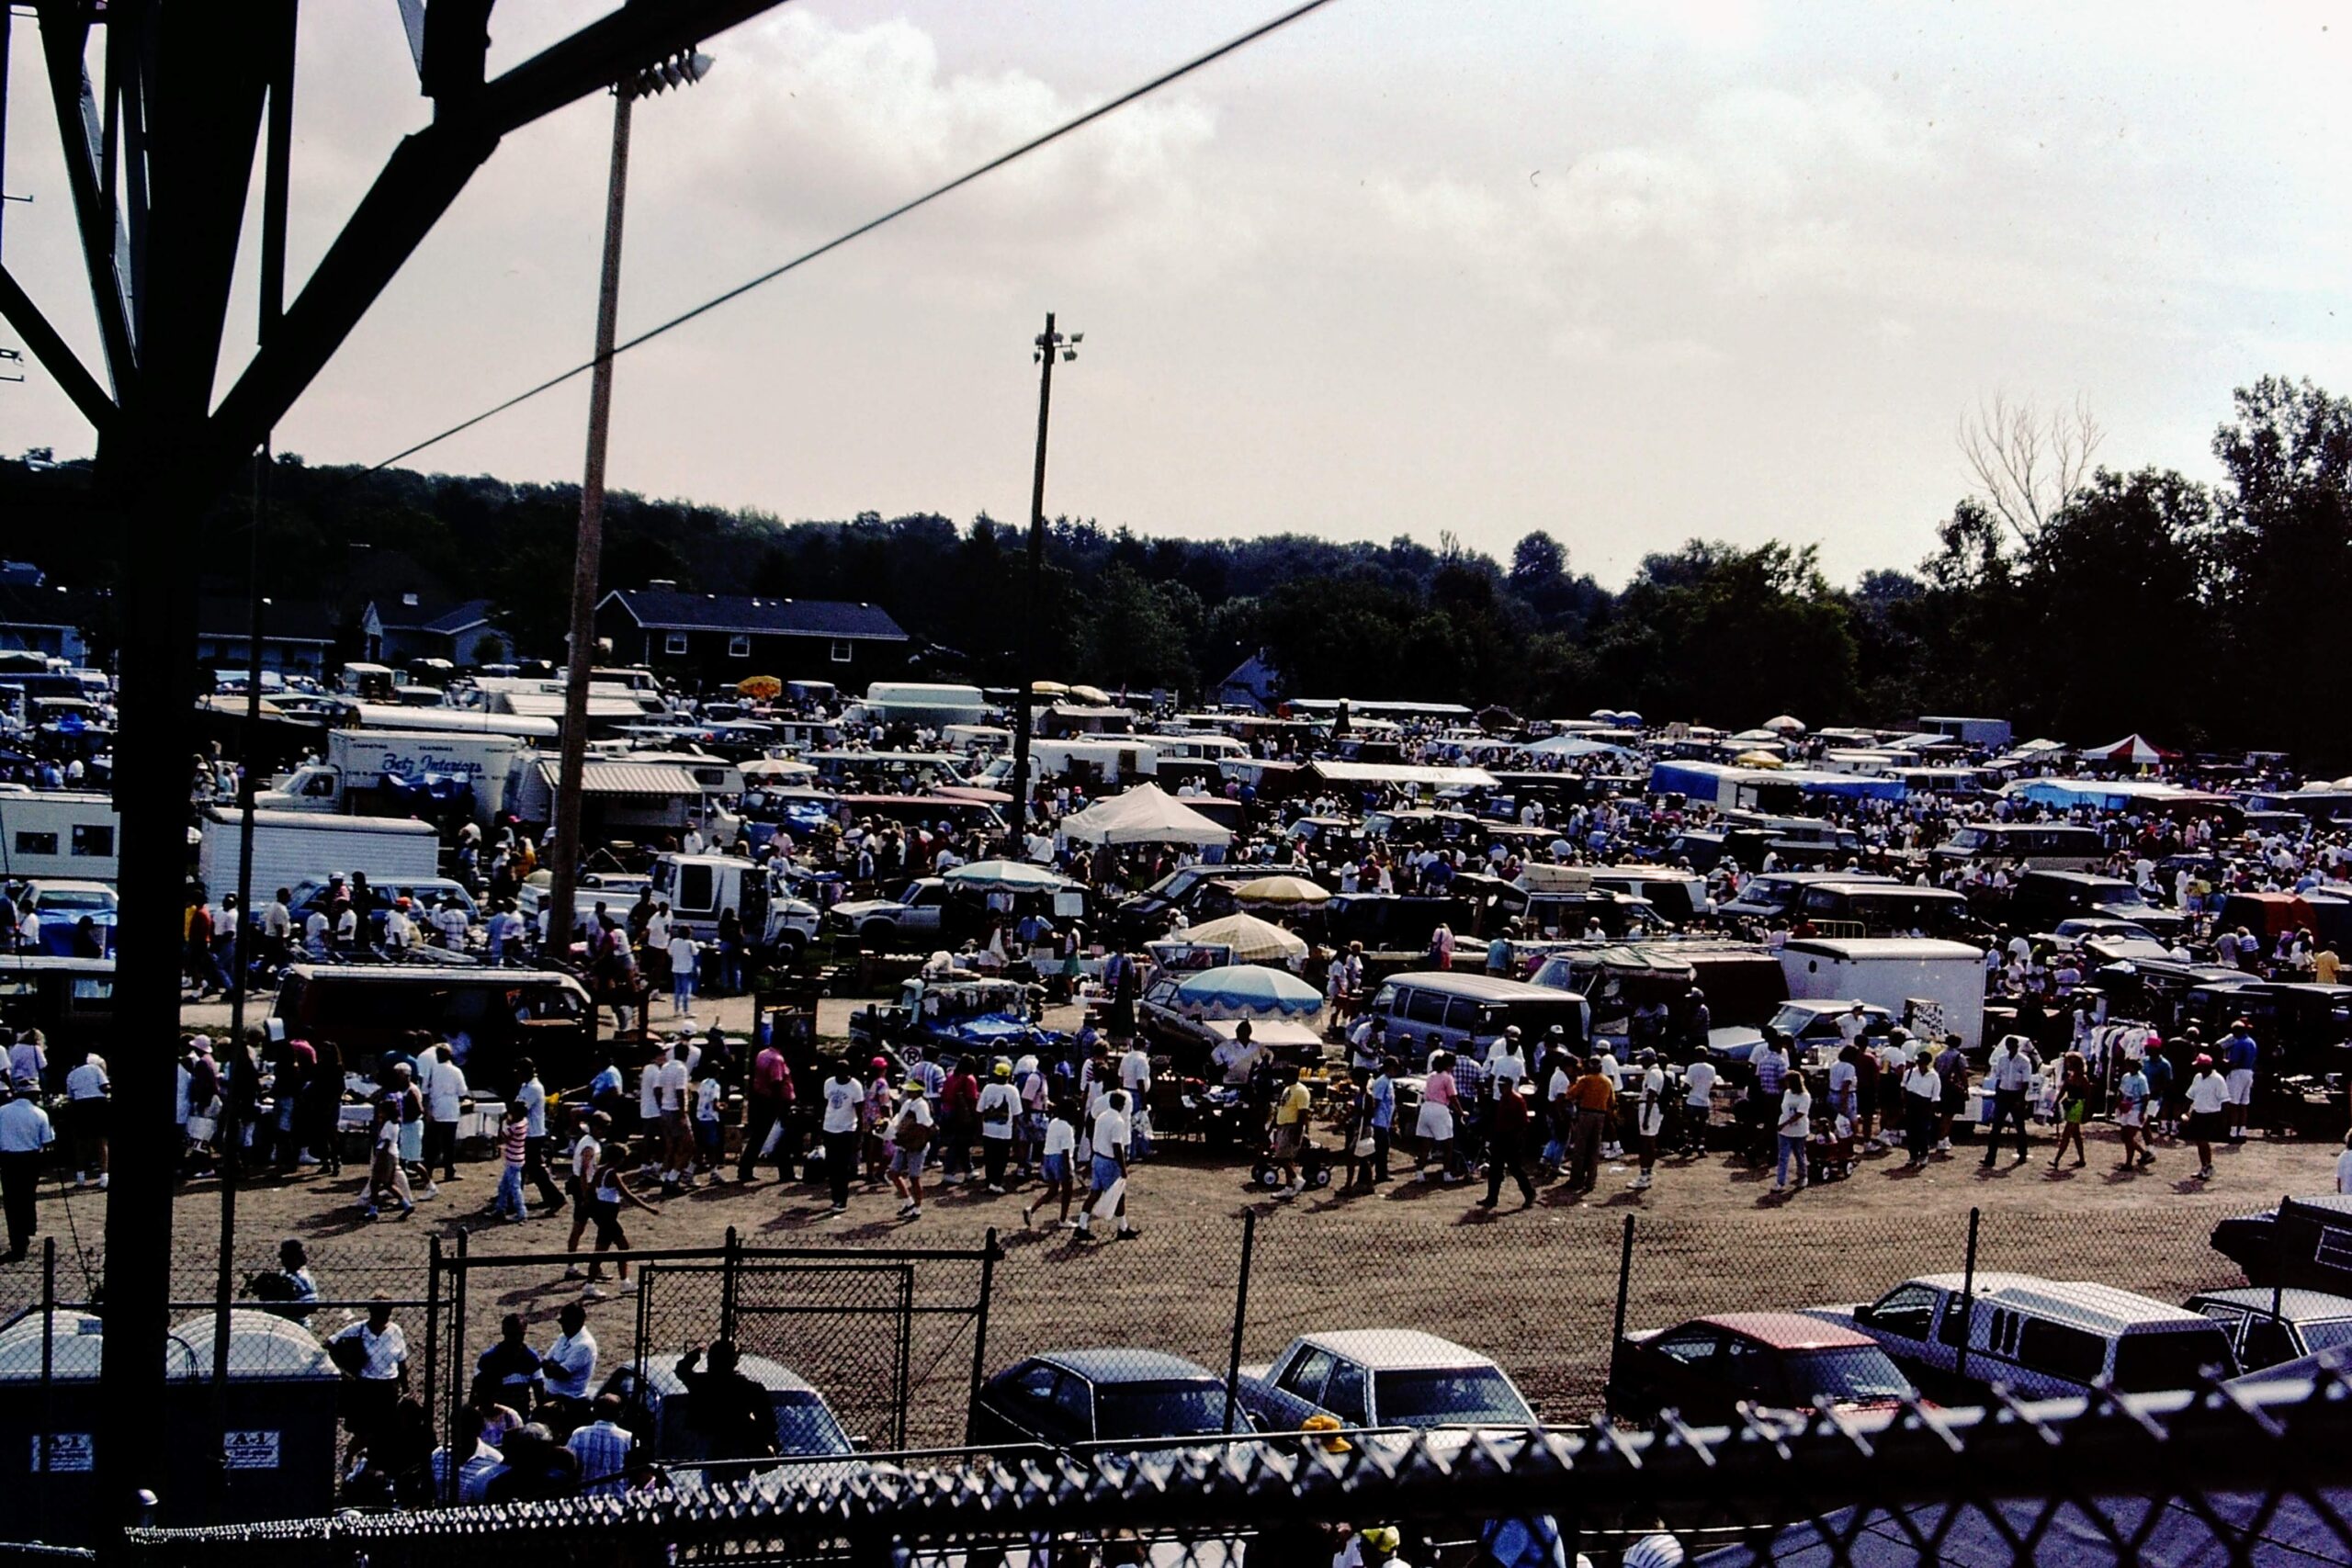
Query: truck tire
(877, 935)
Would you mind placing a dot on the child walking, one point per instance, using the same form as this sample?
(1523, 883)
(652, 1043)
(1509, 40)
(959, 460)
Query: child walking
(1061, 1143)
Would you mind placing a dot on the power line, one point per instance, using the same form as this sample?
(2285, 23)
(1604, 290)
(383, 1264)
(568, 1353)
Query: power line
(998, 162)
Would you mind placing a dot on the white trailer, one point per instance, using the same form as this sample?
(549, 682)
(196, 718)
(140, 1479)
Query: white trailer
(925, 703)
(1933, 988)
(352, 777)
(68, 833)
(290, 847)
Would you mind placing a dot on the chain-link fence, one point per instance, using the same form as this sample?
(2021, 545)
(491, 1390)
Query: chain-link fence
(2209, 1475)
(1205, 1325)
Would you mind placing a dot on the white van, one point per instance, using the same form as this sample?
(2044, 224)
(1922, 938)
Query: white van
(2039, 1338)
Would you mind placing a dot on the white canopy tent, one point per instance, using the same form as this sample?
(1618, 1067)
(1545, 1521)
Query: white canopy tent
(1143, 815)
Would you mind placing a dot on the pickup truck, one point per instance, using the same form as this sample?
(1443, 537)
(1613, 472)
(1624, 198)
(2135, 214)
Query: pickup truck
(1394, 1378)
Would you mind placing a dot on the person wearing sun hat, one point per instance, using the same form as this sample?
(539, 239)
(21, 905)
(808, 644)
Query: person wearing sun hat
(1000, 1109)
(910, 1131)
(2209, 1109)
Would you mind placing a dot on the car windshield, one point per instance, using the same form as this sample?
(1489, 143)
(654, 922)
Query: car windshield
(1455, 1396)
(805, 1425)
(1796, 1021)
(2148, 1363)
(1854, 1375)
(2327, 1333)
(1157, 1410)
(53, 900)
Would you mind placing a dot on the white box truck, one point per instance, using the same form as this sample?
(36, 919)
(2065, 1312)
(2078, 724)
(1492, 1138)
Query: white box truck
(1931, 988)
(351, 779)
(290, 847)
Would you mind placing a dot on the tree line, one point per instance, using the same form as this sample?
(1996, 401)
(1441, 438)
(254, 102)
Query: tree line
(2199, 614)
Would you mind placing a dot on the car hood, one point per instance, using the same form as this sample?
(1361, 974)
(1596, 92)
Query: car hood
(857, 909)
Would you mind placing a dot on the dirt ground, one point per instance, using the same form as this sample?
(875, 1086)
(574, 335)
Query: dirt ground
(1535, 1287)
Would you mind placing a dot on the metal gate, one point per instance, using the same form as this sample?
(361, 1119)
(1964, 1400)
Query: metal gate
(893, 1339)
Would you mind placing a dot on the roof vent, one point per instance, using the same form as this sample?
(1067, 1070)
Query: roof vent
(409, 600)
(668, 584)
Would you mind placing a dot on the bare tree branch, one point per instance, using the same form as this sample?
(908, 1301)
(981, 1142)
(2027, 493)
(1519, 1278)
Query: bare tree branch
(2027, 464)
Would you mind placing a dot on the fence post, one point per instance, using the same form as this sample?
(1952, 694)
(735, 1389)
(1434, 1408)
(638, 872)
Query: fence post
(2278, 1263)
(457, 1344)
(981, 1331)
(433, 1358)
(1625, 1286)
(728, 1263)
(1240, 1315)
(48, 1375)
(1967, 1298)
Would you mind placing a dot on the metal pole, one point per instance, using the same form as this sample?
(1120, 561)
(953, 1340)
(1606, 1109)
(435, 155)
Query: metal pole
(1623, 1284)
(905, 1355)
(432, 1357)
(457, 1337)
(728, 1266)
(589, 549)
(241, 962)
(48, 1370)
(980, 1330)
(1967, 1298)
(1240, 1315)
(1029, 673)
(2278, 1263)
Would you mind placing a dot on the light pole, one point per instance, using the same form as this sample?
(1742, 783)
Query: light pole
(679, 70)
(1049, 345)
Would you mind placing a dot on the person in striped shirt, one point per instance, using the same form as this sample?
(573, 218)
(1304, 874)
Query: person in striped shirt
(514, 1142)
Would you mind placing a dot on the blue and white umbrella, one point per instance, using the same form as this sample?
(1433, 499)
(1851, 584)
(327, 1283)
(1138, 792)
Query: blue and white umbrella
(1004, 876)
(1247, 990)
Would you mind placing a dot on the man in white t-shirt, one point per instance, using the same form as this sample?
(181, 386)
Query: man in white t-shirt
(673, 1086)
(1649, 1114)
(1698, 1102)
(1107, 1156)
(682, 949)
(844, 1117)
(1135, 1077)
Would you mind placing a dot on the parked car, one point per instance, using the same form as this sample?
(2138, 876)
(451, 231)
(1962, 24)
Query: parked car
(1382, 1378)
(1812, 1025)
(657, 1407)
(1455, 1010)
(1118, 1395)
(2305, 1241)
(2267, 1326)
(1201, 892)
(2040, 1338)
(1707, 1369)
(425, 895)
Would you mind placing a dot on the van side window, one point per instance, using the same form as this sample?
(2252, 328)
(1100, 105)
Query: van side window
(1462, 1015)
(1426, 1007)
(2061, 1349)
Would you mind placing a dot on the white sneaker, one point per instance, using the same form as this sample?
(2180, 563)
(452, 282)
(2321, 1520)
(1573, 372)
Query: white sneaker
(625, 1288)
(1943, 1145)
(102, 1180)
(430, 1191)
(1640, 1181)
(915, 1212)
(1296, 1188)
(79, 1179)
(594, 1293)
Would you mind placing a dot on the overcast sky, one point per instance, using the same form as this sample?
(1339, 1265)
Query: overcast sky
(1630, 272)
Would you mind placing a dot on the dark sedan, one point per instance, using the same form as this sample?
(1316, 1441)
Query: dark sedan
(1067, 1398)
(1706, 1368)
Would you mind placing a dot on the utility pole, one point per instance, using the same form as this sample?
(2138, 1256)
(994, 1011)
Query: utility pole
(681, 69)
(1049, 344)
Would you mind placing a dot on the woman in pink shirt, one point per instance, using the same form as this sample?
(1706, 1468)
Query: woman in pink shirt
(1435, 1125)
